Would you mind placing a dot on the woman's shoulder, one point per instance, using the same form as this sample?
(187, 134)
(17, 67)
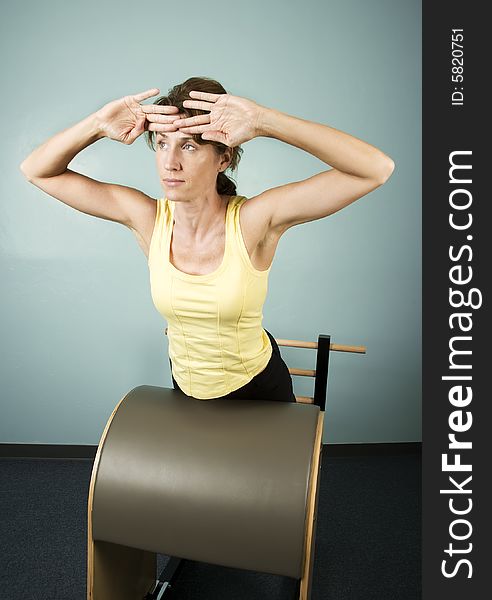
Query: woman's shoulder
(251, 209)
(254, 218)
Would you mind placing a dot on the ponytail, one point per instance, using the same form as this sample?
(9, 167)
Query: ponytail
(225, 185)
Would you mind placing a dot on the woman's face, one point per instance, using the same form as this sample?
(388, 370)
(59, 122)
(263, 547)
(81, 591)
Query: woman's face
(178, 156)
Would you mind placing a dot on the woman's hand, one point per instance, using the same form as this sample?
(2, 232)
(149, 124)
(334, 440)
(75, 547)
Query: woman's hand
(125, 119)
(232, 120)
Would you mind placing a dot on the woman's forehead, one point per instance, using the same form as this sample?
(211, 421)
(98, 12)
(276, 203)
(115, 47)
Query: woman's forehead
(174, 135)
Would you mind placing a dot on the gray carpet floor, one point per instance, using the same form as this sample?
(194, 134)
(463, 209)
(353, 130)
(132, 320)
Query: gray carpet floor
(368, 538)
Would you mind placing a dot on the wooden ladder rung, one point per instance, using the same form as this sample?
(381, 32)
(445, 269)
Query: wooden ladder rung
(296, 343)
(314, 345)
(304, 372)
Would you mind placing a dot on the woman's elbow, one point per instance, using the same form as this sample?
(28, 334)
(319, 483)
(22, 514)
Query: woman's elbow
(385, 170)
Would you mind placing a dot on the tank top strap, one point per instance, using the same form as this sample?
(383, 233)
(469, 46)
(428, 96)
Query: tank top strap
(236, 238)
(233, 208)
(160, 229)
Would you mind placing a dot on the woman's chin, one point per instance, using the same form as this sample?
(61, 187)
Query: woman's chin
(169, 190)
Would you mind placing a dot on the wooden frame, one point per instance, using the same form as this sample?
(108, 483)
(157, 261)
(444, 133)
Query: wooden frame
(305, 584)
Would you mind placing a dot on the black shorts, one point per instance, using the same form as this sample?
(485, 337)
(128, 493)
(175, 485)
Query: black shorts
(273, 383)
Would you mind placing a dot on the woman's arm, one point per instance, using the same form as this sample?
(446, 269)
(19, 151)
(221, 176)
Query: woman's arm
(357, 167)
(47, 168)
(337, 149)
(53, 156)
(122, 120)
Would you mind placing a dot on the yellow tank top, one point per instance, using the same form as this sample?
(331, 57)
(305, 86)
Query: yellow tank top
(216, 340)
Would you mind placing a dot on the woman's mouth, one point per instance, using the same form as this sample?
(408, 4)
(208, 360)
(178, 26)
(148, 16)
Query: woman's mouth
(173, 182)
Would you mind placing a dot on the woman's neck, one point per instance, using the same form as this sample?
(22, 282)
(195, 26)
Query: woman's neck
(196, 220)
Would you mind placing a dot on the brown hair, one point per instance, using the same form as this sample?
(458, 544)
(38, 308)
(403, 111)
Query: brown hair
(176, 96)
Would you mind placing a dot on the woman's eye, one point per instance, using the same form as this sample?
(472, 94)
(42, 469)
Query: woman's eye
(160, 144)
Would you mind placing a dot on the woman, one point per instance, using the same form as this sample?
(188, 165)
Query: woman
(209, 250)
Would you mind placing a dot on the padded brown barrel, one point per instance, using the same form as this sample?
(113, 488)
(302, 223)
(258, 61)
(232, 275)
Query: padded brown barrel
(220, 481)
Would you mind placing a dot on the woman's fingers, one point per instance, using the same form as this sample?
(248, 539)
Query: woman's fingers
(205, 95)
(159, 109)
(161, 127)
(198, 104)
(159, 118)
(157, 122)
(196, 129)
(147, 94)
(191, 121)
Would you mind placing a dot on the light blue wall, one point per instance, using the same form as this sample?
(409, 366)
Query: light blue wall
(78, 326)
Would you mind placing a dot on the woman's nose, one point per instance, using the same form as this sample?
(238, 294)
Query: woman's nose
(171, 159)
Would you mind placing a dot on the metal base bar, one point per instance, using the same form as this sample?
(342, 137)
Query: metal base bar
(166, 578)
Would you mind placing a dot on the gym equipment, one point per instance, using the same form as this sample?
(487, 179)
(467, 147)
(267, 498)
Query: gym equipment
(227, 482)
